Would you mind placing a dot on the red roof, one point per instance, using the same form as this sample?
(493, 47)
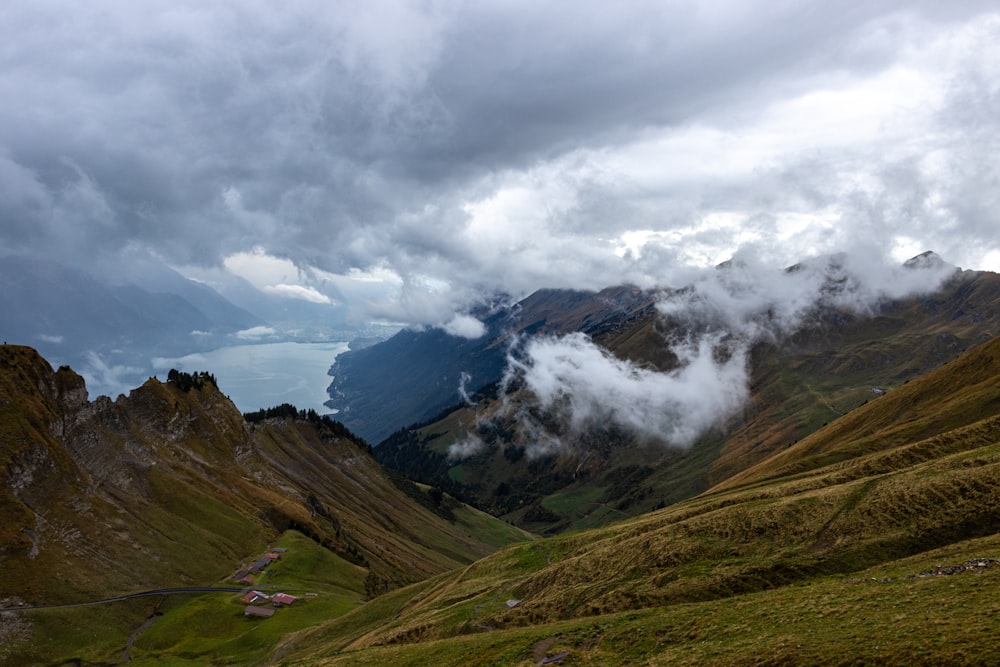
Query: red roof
(284, 598)
(273, 556)
(253, 596)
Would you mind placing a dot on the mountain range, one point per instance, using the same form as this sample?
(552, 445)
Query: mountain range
(414, 375)
(52, 305)
(836, 503)
(836, 360)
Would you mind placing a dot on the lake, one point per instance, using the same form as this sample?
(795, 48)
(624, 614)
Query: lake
(265, 375)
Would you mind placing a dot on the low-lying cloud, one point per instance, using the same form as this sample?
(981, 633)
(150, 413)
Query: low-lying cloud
(583, 384)
(753, 302)
(300, 292)
(463, 391)
(256, 333)
(464, 326)
(573, 385)
(466, 447)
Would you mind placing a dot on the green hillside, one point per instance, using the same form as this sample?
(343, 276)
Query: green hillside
(171, 487)
(884, 550)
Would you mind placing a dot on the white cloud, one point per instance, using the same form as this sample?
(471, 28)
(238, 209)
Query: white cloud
(256, 333)
(464, 326)
(463, 449)
(757, 301)
(261, 269)
(279, 276)
(585, 385)
(463, 392)
(717, 319)
(310, 294)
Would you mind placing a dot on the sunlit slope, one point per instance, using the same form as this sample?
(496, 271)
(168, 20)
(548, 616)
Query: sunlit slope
(933, 484)
(886, 615)
(350, 495)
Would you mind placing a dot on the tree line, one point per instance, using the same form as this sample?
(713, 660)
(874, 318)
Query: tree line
(189, 381)
(289, 411)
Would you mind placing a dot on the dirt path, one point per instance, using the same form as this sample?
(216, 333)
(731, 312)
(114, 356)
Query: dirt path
(127, 653)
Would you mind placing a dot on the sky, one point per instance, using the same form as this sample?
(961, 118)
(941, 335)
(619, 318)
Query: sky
(402, 159)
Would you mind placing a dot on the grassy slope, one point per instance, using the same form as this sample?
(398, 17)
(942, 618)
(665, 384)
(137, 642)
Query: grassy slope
(825, 373)
(777, 570)
(876, 617)
(961, 392)
(169, 488)
(195, 630)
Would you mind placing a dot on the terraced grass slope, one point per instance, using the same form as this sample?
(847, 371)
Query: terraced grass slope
(170, 486)
(877, 540)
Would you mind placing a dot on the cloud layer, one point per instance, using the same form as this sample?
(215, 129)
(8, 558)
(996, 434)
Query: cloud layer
(398, 160)
(558, 389)
(403, 157)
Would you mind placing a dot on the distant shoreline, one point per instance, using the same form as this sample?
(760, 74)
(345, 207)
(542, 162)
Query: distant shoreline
(263, 375)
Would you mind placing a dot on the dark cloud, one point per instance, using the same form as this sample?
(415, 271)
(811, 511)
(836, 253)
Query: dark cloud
(494, 145)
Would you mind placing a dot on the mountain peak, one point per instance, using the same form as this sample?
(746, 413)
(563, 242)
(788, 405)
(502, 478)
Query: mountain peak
(926, 260)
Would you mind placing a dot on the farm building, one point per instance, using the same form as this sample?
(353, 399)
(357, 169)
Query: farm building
(263, 612)
(253, 597)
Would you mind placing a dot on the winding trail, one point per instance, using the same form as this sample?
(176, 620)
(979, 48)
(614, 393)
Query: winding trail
(127, 653)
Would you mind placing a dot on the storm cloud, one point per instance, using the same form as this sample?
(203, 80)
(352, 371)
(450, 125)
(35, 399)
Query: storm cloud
(406, 157)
